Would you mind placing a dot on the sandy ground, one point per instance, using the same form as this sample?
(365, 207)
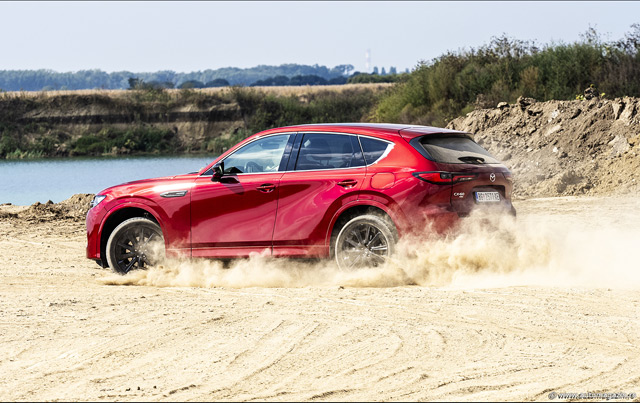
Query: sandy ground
(563, 316)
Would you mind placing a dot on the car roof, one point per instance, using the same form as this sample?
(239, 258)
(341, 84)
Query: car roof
(406, 131)
(388, 130)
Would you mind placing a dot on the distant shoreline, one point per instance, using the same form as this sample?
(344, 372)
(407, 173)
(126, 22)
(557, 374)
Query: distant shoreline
(112, 156)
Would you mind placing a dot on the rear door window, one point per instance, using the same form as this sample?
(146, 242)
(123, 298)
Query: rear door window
(455, 150)
(328, 151)
(374, 150)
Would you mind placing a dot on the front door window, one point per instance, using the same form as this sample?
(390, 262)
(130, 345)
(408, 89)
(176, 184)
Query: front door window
(263, 155)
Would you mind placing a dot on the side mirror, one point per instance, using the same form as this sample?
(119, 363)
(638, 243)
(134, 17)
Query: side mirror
(218, 171)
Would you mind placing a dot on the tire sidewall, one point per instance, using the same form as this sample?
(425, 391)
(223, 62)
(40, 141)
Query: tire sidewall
(379, 222)
(122, 227)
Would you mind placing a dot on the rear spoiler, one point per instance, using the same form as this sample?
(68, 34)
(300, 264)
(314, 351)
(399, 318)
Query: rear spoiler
(410, 133)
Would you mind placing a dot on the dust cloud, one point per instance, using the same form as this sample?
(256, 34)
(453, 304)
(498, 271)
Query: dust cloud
(561, 245)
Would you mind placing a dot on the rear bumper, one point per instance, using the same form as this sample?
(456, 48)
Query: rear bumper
(440, 219)
(505, 207)
(437, 218)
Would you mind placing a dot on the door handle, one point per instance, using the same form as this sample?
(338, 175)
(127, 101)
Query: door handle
(348, 183)
(267, 187)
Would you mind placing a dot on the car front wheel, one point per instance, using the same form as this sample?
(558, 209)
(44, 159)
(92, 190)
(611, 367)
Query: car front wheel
(365, 241)
(135, 244)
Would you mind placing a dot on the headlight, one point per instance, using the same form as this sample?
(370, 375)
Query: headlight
(97, 199)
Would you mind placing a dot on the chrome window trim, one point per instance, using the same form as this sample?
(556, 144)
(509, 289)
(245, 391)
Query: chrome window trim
(286, 172)
(349, 134)
(393, 144)
(386, 152)
(324, 170)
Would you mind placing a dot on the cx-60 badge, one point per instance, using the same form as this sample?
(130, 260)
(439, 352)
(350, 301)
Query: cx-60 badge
(492, 177)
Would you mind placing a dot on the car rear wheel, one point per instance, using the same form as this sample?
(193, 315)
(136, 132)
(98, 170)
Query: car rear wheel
(365, 241)
(135, 244)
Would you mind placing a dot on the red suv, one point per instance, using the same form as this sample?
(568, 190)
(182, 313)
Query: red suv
(346, 191)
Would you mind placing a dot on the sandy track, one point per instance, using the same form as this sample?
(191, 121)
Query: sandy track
(66, 336)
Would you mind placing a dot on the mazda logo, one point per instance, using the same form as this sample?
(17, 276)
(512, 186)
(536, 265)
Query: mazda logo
(492, 177)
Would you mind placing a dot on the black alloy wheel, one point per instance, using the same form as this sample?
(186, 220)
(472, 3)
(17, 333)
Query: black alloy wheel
(136, 243)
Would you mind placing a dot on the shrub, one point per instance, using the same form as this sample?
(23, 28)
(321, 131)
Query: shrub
(439, 90)
(139, 139)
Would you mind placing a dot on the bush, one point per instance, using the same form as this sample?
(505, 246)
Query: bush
(438, 91)
(266, 110)
(8, 145)
(218, 82)
(140, 139)
(222, 143)
(148, 94)
(192, 84)
(364, 78)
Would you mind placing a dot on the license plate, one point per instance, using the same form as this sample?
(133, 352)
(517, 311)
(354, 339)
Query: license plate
(484, 197)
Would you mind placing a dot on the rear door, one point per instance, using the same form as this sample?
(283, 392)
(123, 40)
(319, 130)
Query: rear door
(327, 173)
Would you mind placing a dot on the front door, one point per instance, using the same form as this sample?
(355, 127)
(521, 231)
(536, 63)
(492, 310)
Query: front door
(235, 216)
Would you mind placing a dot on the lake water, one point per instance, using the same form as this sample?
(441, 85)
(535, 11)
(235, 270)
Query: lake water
(24, 182)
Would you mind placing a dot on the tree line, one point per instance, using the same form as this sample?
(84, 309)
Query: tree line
(38, 80)
(280, 80)
(284, 75)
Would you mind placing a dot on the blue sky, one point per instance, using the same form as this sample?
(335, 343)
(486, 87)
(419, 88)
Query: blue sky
(189, 36)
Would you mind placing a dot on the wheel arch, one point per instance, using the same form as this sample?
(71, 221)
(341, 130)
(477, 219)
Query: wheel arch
(118, 215)
(349, 211)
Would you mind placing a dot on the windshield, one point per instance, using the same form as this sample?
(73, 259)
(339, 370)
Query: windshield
(456, 150)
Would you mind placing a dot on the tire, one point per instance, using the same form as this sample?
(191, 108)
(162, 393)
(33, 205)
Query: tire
(135, 244)
(365, 241)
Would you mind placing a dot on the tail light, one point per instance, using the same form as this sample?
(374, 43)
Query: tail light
(444, 178)
(439, 178)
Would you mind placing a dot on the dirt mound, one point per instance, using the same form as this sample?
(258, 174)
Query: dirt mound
(78, 204)
(7, 214)
(73, 208)
(563, 147)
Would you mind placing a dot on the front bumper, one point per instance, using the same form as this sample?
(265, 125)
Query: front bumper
(95, 216)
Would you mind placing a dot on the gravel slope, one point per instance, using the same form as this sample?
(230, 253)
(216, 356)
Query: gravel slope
(563, 147)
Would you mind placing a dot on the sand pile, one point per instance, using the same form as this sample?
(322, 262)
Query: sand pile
(74, 208)
(563, 147)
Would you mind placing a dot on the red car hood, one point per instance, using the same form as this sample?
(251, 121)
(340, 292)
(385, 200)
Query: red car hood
(153, 185)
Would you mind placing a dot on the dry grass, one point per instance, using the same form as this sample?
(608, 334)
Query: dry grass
(313, 89)
(278, 90)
